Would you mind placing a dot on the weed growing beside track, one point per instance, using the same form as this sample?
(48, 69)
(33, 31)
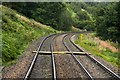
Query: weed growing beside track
(91, 45)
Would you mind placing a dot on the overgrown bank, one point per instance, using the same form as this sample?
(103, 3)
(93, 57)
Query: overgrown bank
(18, 32)
(92, 45)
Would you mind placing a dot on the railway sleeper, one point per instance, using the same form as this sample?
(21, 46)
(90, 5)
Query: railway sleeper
(61, 52)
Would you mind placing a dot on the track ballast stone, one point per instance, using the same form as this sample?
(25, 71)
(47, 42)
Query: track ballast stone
(42, 67)
(67, 67)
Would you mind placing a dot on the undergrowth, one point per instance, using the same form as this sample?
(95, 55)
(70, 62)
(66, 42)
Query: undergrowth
(17, 34)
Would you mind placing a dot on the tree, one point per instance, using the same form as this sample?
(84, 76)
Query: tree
(49, 13)
(108, 24)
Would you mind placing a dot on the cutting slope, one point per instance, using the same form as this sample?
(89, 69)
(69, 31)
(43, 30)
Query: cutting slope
(17, 32)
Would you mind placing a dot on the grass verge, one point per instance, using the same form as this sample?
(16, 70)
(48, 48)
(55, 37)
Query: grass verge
(89, 44)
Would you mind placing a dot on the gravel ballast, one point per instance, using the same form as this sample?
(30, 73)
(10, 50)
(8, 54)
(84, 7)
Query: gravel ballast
(71, 46)
(46, 44)
(58, 43)
(67, 67)
(95, 70)
(42, 67)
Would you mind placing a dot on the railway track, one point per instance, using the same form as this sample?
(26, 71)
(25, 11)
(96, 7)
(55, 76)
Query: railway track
(95, 70)
(41, 65)
(55, 66)
(66, 66)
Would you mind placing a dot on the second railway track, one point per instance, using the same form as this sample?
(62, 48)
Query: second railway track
(66, 66)
(94, 68)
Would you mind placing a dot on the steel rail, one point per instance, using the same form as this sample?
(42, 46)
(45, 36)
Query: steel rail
(34, 58)
(96, 61)
(53, 60)
(85, 70)
(53, 57)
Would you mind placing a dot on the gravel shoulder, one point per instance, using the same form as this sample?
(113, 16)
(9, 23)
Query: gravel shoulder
(19, 69)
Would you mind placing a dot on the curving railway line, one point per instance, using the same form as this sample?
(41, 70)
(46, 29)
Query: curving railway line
(48, 63)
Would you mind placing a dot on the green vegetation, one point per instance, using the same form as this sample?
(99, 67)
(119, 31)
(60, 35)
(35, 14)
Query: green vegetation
(18, 32)
(83, 19)
(92, 46)
(0, 45)
(49, 13)
(108, 23)
(99, 17)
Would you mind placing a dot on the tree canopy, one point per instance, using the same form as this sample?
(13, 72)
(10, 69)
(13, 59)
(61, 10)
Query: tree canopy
(103, 18)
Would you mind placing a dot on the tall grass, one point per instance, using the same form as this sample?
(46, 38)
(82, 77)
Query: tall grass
(17, 34)
(92, 46)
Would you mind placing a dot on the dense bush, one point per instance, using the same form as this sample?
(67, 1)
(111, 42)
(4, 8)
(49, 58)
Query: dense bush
(101, 17)
(48, 13)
